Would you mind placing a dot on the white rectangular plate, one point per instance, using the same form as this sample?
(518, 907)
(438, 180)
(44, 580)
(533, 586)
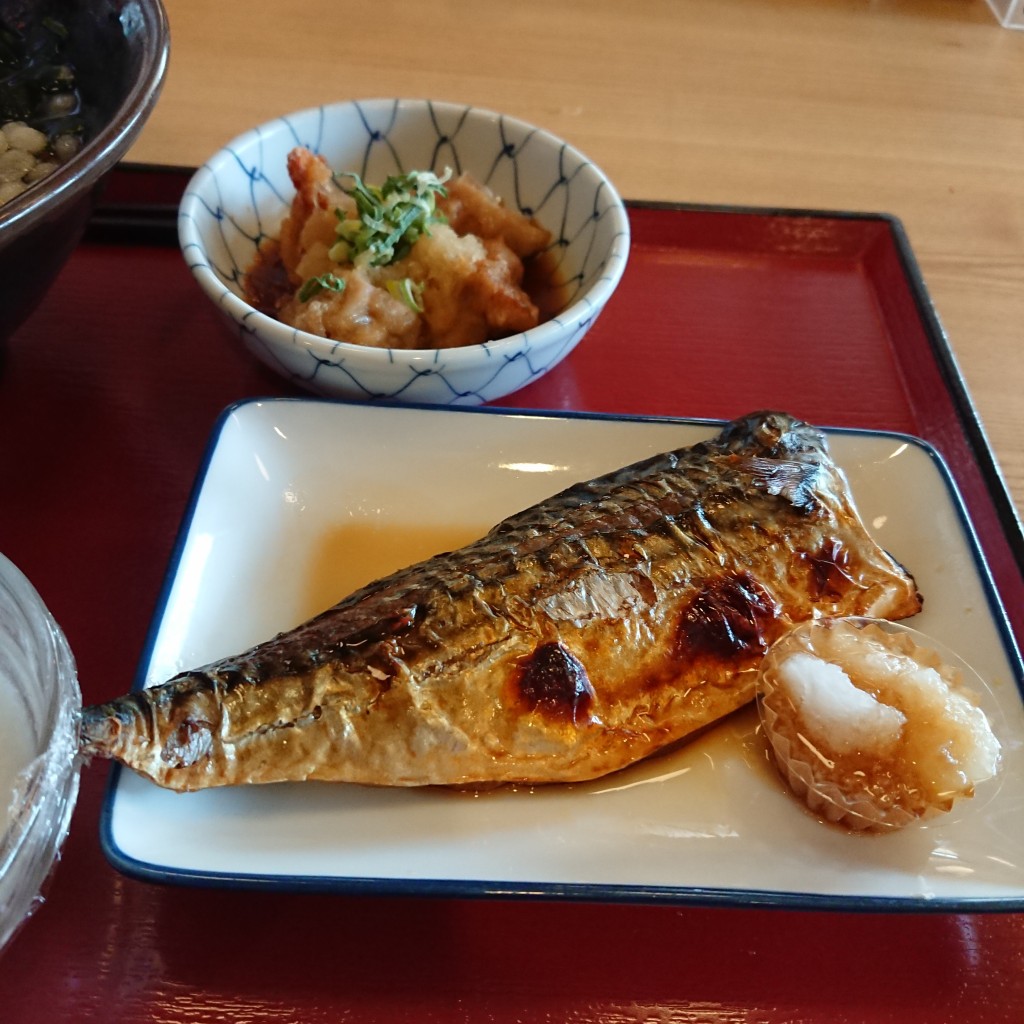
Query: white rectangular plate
(301, 501)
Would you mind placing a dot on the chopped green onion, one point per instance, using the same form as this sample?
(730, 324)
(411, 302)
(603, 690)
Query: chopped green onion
(408, 291)
(56, 27)
(315, 285)
(390, 219)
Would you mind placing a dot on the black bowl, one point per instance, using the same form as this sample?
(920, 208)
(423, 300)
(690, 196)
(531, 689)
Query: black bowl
(118, 49)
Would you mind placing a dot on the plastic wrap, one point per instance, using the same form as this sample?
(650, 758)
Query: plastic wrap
(40, 703)
(850, 770)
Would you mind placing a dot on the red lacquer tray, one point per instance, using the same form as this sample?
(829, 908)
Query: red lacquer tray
(107, 399)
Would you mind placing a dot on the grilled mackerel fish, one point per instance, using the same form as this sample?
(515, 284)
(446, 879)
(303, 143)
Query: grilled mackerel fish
(574, 639)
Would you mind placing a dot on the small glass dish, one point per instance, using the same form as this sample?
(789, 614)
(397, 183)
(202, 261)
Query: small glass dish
(873, 724)
(1009, 12)
(40, 703)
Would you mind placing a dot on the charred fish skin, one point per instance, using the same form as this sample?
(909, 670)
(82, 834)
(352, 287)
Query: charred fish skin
(576, 637)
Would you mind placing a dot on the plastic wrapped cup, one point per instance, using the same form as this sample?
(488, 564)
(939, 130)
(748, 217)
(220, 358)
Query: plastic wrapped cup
(39, 707)
(873, 724)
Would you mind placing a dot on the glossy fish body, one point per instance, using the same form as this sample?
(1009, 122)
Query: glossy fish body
(575, 638)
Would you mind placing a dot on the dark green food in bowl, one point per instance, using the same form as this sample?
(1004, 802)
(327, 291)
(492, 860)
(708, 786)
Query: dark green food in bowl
(118, 52)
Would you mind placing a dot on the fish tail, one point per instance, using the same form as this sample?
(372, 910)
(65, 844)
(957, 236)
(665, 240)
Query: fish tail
(106, 730)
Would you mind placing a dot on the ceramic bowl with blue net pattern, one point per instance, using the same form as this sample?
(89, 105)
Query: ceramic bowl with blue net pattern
(240, 196)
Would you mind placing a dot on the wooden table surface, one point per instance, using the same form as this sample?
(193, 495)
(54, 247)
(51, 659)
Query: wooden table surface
(913, 108)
